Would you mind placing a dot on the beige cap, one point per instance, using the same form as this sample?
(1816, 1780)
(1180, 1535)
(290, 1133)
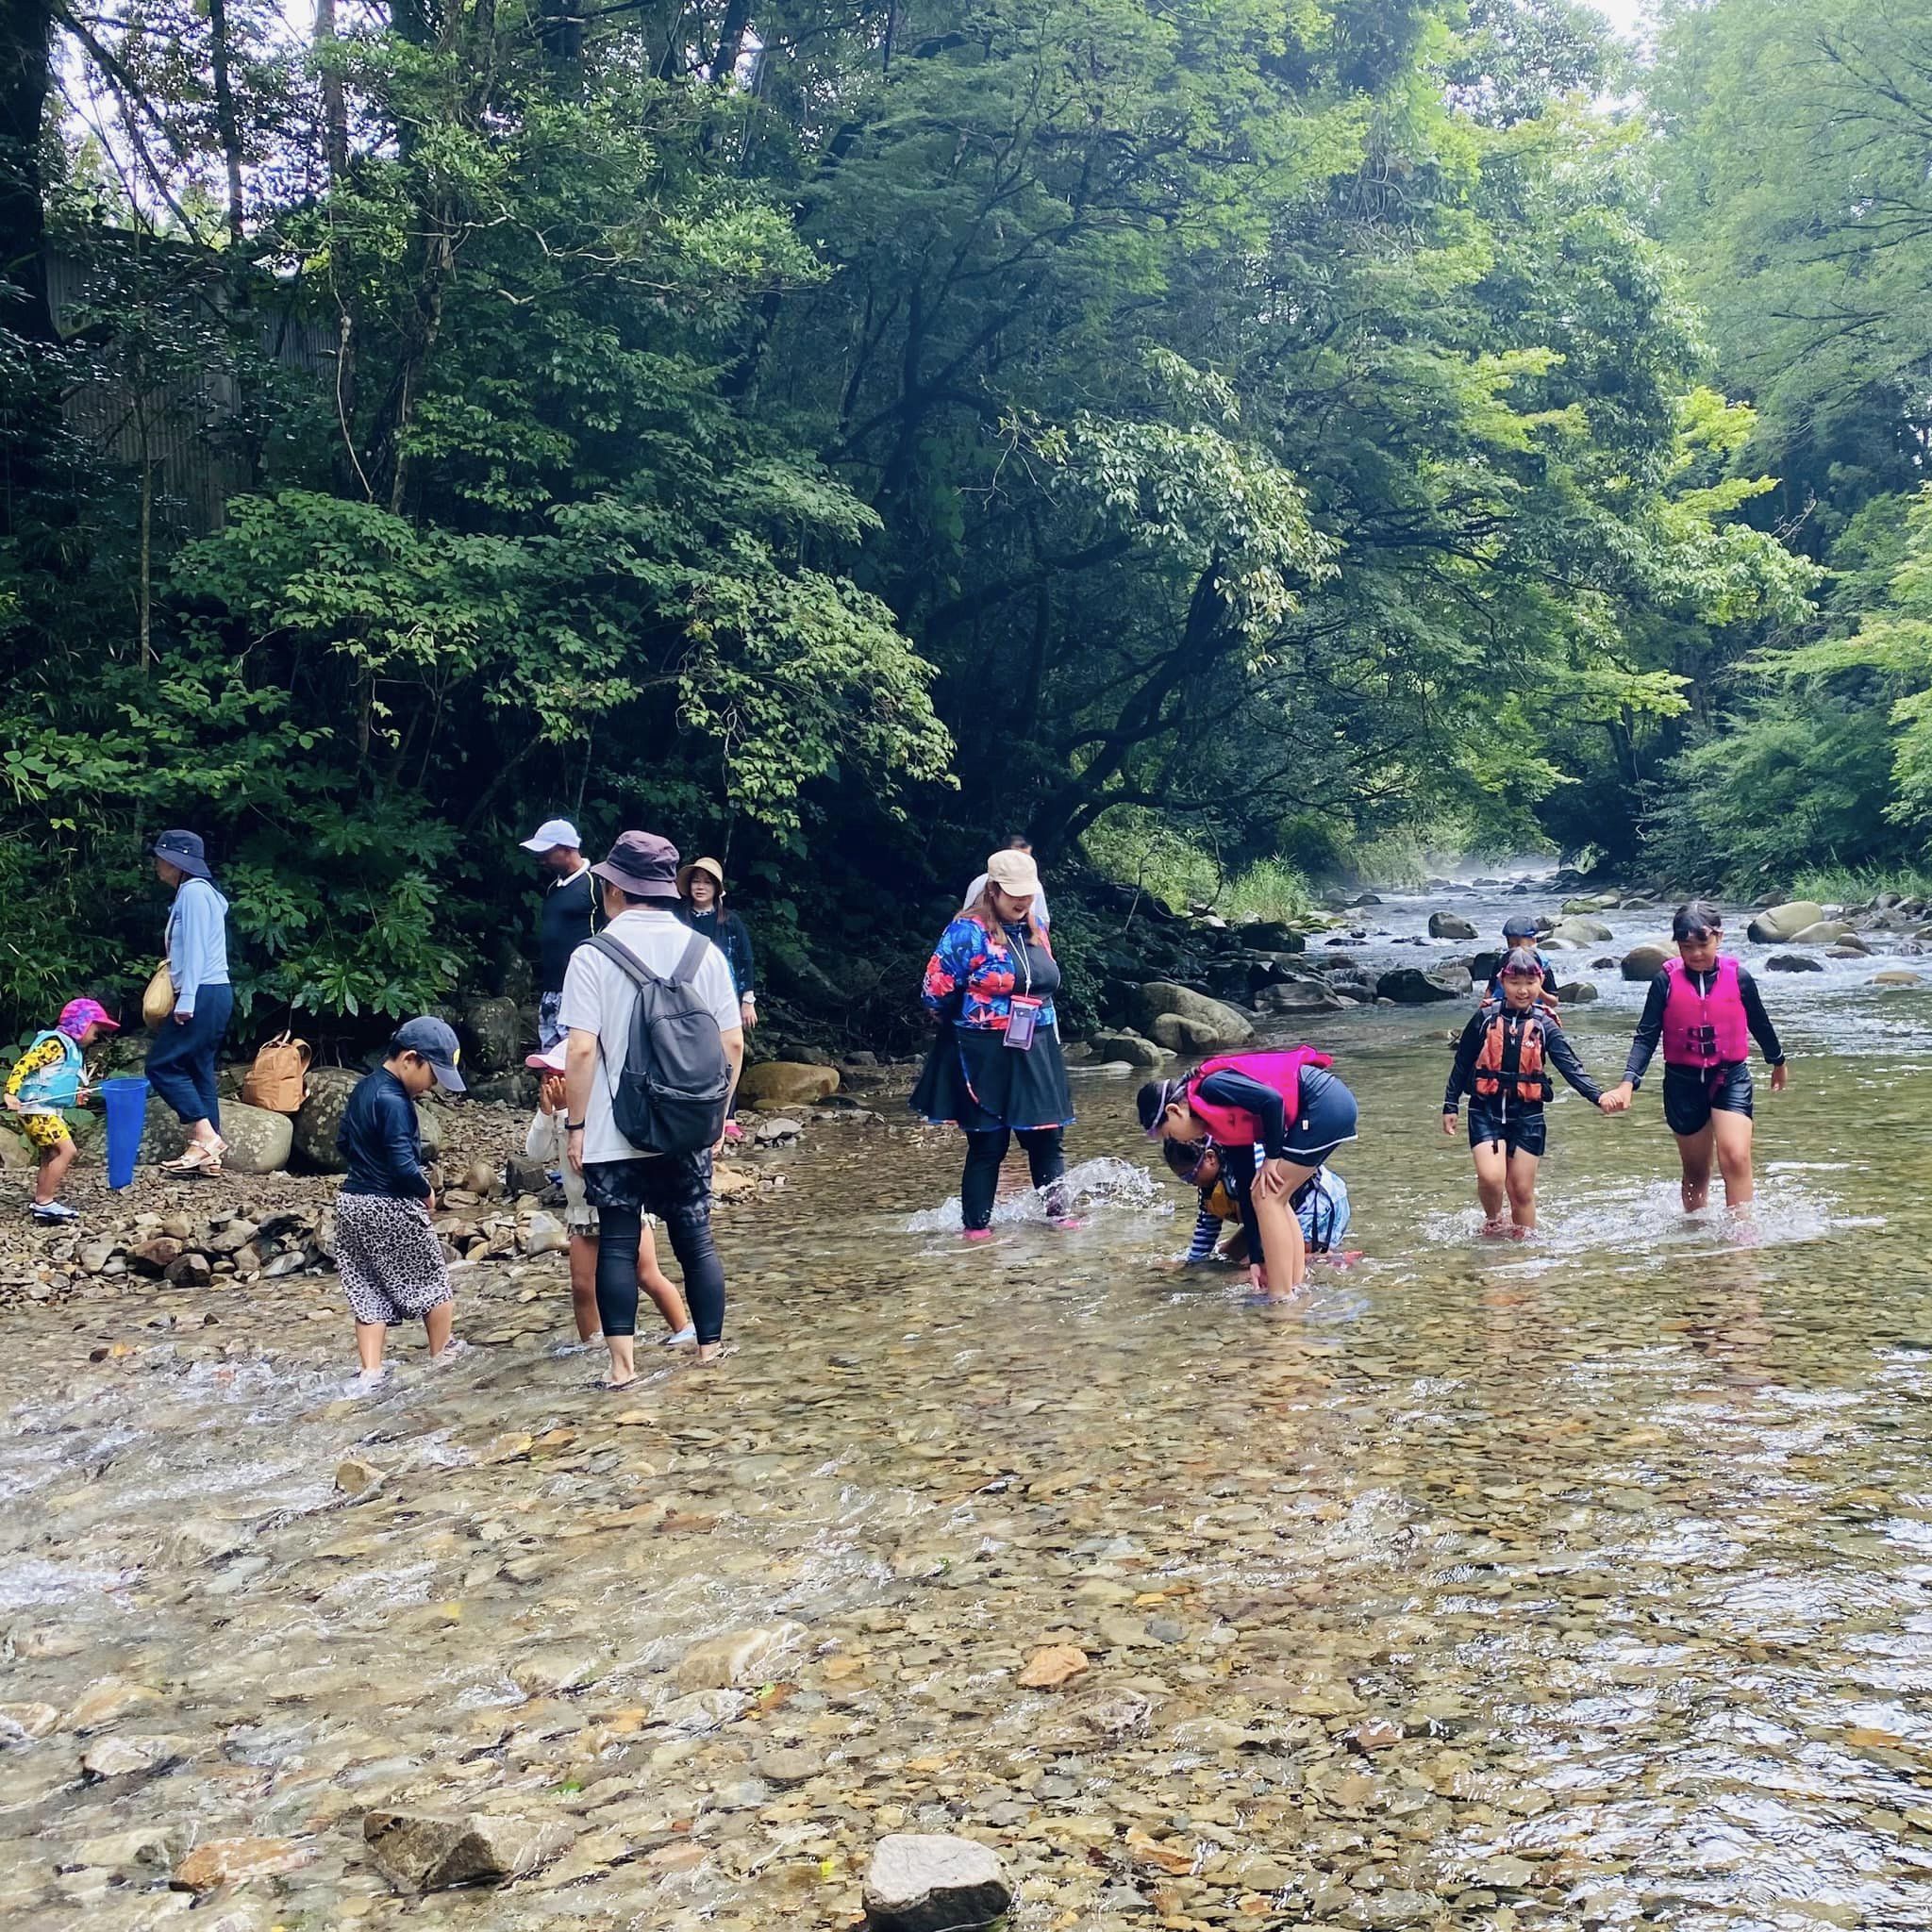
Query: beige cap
(1014, 874)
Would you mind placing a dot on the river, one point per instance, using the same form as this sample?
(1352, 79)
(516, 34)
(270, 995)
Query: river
(1577, 1583)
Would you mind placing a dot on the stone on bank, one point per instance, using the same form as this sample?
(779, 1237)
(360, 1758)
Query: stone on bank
(920, 1882)
(427, 1851)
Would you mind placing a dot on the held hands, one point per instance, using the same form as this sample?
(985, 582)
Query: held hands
(1449, 1123)
(1616, 1100)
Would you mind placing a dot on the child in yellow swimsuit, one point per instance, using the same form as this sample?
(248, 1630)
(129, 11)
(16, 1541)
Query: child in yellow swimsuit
(44, 1081)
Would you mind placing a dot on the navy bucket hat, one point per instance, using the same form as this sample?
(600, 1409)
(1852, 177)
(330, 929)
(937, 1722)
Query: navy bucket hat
(185, 852)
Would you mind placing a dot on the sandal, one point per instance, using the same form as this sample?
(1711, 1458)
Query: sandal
(199, 1158)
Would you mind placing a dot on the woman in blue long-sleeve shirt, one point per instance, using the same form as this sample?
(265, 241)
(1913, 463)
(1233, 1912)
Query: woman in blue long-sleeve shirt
(181, 1058)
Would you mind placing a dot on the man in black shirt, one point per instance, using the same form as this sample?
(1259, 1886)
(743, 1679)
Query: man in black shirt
(568, 918)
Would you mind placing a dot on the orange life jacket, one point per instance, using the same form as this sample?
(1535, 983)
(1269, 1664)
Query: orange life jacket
(1531, 1084)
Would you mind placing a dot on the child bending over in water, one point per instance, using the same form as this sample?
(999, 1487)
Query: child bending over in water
(1706, 1011)
(547, 1141)
(1319, 1204)
(389, 1256)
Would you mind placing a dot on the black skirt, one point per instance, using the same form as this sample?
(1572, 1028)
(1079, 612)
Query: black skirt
(973, 1080)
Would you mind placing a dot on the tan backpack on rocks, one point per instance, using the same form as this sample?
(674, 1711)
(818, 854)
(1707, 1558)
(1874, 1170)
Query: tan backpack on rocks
(278, 1080)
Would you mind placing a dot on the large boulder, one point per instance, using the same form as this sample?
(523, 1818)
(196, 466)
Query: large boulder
(1300, 994)
(492, 1037)
(1451, 925)
(1580, 930)
(161, 1136)
(1793, 962)
(1645, 962)
(1576, 992)
(1271, 936)
(1126, 1046)
(1898, 976)
(315, 1126)
(1778, 924)
(1411, 986)
(259, 1141)
(1827, 932)
(1207, 1023)
(786, 1083)
(920, 1882)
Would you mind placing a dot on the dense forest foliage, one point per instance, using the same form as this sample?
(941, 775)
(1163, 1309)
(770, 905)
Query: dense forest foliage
(841, 434)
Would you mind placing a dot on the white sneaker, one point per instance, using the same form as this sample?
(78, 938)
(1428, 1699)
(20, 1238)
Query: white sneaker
(55, 1213)
(686, 1336)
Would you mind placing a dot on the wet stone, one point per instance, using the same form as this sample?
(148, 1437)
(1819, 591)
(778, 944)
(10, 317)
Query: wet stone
(426, 1851)
(934, 1883)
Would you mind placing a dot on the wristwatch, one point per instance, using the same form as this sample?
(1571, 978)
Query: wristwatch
(573, 1126)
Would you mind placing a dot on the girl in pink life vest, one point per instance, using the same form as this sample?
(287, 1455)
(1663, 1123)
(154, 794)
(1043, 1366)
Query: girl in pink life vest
(1704, 1011)
(1295, 1106)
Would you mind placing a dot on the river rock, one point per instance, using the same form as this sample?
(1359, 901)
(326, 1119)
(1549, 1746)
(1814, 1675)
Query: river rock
(920, 1882)
(1579, 931)
(493, 1036)
(1778, 924)
(1411, 986)
(1645, 962)
(786, 1767)
(525, 1175)
(427, 1851)
(1897, 975)
(1298, 994)
(1128, 1048)
(1209, 1023)
(356, 1475)
(316, 1126)
(259, 1141)
(162, 1137)
(543, 1234)
(1576, 992)
(156, 1255)
(223, 1861)
(1793, 962)
(128, 1756)
(786, 1083)
(28, 1720)
(1271, 936)
(137, 1852)
(1451, 925)
(781, 1130)
(732, 1657)
(1827, 932)
(192, 1269)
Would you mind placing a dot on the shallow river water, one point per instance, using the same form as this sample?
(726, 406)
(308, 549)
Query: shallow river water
(1577, 1583)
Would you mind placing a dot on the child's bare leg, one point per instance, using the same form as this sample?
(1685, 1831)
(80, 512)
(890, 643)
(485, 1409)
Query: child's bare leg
(1282, 1244)
(1693, 1150)
(658, 1285)
(437, 1323)
(1731, 1132)
(583, 1286)
(1492, 1181)
(1522, 1182)
(370, 1337)
(54, 1162)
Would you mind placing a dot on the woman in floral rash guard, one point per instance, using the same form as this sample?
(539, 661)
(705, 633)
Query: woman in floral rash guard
(996, 1068)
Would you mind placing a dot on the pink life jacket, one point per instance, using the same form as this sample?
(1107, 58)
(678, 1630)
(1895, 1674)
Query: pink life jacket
(1234, 1125)
(1690, 1013)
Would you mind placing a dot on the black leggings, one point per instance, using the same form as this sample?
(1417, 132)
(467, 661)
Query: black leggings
(1046, 1160)
(619, 1230)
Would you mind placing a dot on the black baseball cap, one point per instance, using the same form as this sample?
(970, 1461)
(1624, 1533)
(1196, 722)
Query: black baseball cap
(1519, 925)
(436, 1040)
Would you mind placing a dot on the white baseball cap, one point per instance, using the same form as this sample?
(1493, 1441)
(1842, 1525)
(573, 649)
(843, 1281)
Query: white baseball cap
(551, 834)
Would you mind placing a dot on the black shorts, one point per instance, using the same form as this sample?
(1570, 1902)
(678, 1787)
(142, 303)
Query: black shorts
(1523, 1130)
(1324, 1119)
(666, 1185)
(1691, 1095)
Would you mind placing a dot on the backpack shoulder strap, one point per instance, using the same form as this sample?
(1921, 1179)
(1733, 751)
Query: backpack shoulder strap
(627, 962)
(693, 958)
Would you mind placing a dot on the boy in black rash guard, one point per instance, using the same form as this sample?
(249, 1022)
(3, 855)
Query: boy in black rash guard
(1519, 934)
(1501, 1062)
(1700, 1009)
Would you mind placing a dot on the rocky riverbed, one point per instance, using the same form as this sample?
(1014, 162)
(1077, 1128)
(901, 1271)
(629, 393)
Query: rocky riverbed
(1572, 1585)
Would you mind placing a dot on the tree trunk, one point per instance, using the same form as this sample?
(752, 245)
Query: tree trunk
(335, 105)
(227, 128)
(25, 78)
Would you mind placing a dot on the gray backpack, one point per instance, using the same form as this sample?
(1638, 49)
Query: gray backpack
(674, 1084)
